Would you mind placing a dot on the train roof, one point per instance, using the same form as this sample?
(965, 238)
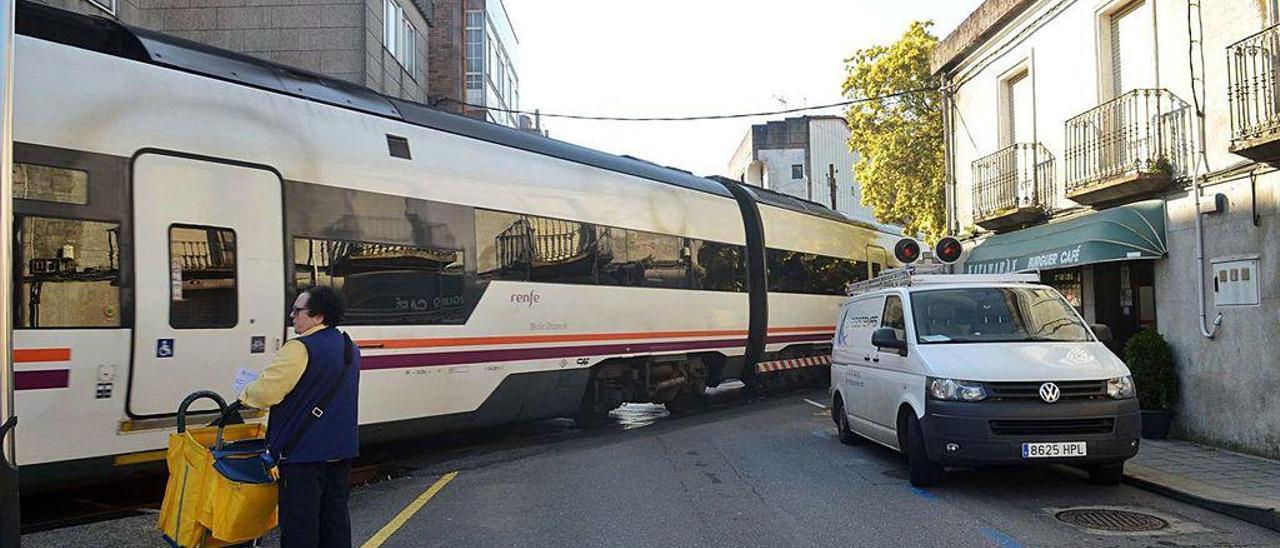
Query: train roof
(111, 37)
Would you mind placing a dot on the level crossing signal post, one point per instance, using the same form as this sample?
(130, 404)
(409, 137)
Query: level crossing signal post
(10, 524)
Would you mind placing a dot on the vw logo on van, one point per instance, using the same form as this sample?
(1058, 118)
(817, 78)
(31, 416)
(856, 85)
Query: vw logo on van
(1049, 392)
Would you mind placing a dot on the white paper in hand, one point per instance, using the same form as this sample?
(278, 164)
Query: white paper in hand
(243, 378)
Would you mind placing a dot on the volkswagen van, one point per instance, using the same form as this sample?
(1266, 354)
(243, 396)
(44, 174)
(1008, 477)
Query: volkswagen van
(969, 370)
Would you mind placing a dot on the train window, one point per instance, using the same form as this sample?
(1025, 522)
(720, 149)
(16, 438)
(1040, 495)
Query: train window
(385, 284)
(202, 277)
(828, 275)
(796, 272)
(613, 262)
(562, 251)
(787, 271)
(875, 269)
(70, 273)
(504, 244)
(718, 267)
(50, 184)
(663, 259)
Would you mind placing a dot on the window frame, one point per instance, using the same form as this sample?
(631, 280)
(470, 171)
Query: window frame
(1021, 72)
(235, 274)
(108, 6)
(399, 36)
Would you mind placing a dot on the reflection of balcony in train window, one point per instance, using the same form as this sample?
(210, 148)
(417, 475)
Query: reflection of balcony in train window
(387, 283)
(203, 277)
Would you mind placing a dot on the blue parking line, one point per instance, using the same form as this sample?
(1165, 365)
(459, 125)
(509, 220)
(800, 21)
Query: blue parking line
(924, 494)
(999, 539)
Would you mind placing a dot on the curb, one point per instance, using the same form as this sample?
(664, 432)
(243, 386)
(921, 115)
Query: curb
(1258, 511)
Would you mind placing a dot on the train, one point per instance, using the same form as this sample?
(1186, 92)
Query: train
(170, 199)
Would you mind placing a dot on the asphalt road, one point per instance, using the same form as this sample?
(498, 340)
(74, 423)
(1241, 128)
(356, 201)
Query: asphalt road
(770, 473)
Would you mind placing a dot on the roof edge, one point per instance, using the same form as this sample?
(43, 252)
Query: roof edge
(977, 28)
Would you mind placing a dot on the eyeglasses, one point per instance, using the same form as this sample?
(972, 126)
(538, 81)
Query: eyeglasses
(297, 310)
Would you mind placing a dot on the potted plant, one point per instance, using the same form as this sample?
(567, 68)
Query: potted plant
(1151, 361)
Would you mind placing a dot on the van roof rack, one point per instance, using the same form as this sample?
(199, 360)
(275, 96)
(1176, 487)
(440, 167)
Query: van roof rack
(931, 274)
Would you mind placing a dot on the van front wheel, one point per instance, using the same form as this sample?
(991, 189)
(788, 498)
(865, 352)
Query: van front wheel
(847, 436)
(923, 471)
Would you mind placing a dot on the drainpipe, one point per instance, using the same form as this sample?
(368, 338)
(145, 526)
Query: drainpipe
(1200, 160)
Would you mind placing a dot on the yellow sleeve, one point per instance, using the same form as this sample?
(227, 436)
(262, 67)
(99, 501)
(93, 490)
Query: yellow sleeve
(279, 378)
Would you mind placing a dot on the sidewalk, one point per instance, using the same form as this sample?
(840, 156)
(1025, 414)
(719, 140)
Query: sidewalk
(1241, 486)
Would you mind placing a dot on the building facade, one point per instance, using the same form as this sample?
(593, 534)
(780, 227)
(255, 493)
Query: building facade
(379, 44)
(474, 52)
(806, 157)
(1079, 136)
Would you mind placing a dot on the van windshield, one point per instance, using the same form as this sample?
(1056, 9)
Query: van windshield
(994, 314)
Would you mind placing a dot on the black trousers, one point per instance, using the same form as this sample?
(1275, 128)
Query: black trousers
(313, 505)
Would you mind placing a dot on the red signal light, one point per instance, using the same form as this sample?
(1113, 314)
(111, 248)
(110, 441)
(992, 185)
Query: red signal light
(948, 250)
(907, 250)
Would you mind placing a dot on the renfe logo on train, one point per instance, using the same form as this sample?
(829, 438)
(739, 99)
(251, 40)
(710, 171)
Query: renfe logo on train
(528, 299)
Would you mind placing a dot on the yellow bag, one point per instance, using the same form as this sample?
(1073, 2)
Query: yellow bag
(202, 505)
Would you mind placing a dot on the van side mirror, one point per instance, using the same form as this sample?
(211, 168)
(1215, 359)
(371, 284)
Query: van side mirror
(1102, 332)
(886, 337)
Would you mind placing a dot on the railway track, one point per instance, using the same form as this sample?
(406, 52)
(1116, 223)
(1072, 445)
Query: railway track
(142, 495)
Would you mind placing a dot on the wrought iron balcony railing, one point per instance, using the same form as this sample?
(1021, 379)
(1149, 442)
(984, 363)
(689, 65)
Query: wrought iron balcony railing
(1251, 86)
(1016, 178)
(1144, 132)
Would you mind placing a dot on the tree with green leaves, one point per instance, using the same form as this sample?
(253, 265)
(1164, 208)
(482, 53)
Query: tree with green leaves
(897, 132)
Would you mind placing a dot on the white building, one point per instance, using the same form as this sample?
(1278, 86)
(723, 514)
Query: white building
(1072, 133)
(807, 157)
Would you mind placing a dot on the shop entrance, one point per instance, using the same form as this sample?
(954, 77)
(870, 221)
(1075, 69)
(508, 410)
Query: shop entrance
(1124, 299)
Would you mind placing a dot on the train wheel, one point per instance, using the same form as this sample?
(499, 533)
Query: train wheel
(590, 414)
(688, 400)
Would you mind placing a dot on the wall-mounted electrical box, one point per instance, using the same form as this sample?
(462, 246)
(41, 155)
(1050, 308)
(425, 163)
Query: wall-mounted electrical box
(1235, 282)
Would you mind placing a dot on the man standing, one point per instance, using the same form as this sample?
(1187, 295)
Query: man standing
(311, 387)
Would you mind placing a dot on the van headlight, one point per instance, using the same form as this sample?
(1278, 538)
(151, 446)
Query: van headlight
(1121, 388)
(954, 390)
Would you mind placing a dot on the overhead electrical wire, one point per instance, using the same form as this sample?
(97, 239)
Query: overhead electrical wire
(689, 118)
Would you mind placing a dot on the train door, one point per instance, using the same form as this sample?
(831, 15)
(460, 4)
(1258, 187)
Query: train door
(209, 271)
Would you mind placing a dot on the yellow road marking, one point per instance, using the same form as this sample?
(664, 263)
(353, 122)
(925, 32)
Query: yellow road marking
(395, 524)
(138, 458)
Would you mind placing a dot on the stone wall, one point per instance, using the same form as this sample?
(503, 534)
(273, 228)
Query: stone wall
(1229, 383)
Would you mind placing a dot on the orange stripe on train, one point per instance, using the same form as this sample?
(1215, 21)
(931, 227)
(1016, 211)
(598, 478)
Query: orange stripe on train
(34, 355)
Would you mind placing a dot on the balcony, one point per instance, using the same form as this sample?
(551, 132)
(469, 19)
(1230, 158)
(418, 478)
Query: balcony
(1130, 147)
(1013, 187)
(1254, 99)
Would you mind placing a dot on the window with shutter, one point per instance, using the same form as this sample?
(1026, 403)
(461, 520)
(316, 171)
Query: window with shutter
(1132, 49)
(1019, 116)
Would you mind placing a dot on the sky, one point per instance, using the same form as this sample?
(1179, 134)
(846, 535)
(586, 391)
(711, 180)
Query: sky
(693, 58)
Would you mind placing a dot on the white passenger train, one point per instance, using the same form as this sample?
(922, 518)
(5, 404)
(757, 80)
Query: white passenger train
(171, 198)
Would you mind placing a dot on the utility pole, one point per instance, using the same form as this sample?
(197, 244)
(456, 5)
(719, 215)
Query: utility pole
(831, 183)
(10, 523)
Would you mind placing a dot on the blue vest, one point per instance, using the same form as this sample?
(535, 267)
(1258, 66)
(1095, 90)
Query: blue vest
(333, 436)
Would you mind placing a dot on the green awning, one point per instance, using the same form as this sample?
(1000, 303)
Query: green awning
(1134, 231)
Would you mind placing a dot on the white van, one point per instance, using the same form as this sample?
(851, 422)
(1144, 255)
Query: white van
(968, 370)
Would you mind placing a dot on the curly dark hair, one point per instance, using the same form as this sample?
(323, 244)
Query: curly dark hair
(324, 300)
